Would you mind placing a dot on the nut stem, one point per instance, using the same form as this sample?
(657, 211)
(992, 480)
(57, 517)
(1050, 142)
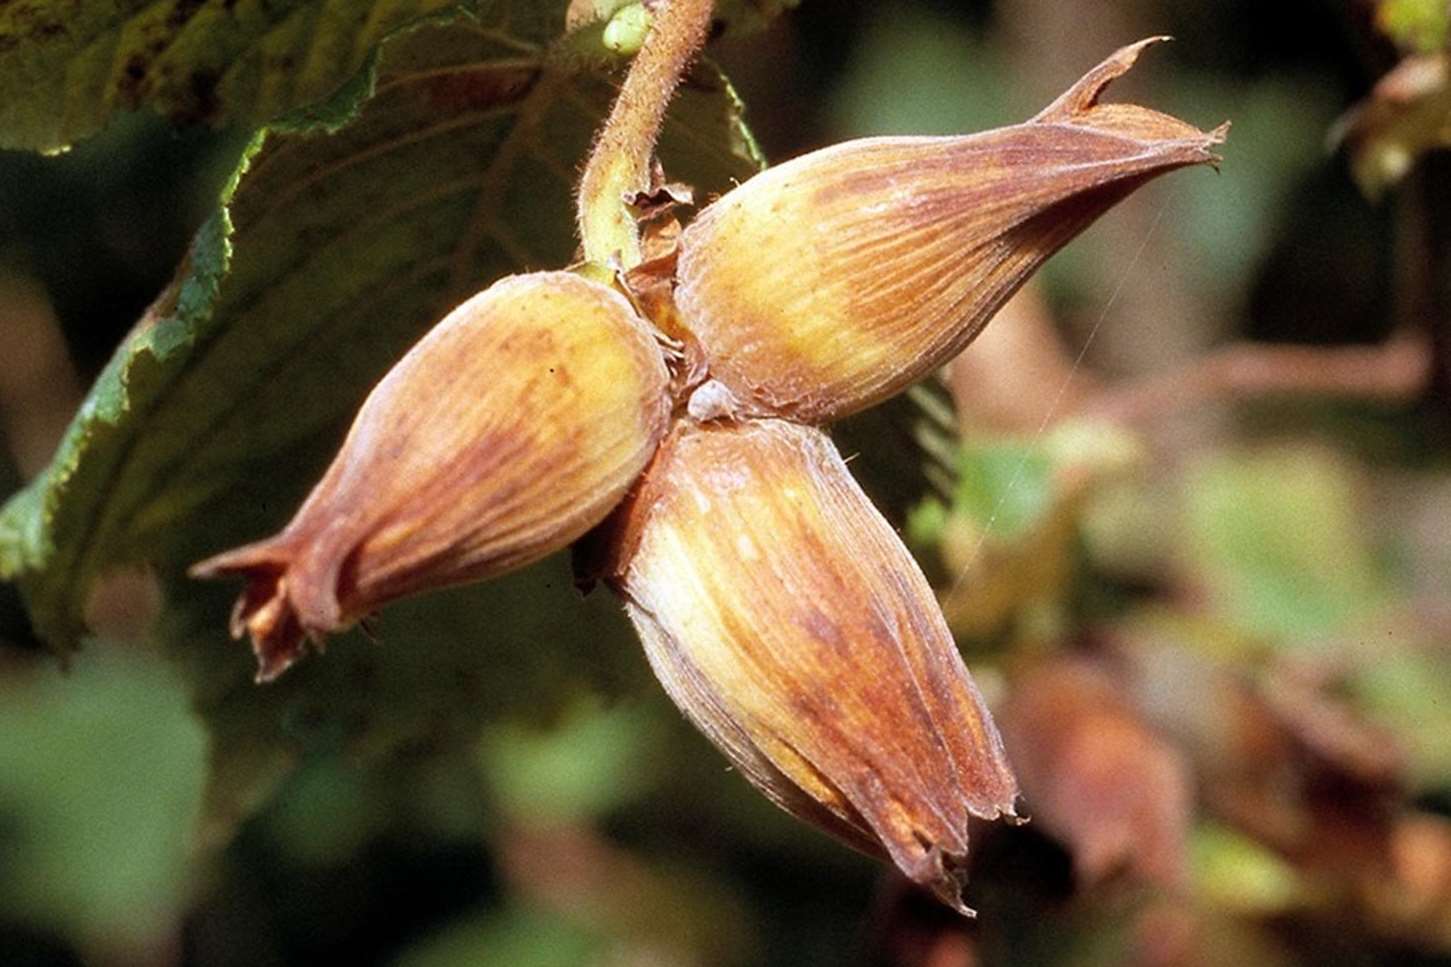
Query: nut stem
(619, 166)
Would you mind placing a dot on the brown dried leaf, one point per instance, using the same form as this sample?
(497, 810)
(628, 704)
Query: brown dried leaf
(1097, 777)
(1407, 114)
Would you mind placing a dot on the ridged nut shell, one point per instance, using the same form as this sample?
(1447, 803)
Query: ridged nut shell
(786, 619)
(509, 430)
(830, 282)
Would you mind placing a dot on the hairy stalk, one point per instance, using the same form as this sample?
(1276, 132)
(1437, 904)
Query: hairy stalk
(619, 166)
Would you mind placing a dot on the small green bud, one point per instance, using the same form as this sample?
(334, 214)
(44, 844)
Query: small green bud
(625, 33)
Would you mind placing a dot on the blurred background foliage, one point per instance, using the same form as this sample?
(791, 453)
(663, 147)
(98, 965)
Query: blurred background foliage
(1187, 501)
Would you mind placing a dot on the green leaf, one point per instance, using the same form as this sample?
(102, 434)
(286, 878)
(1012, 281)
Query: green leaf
(591, 763)
(907, 61)
(1012, 486)
(1276, 538)
(1007, 486)
(1415, 25)
(68, 66)
(98, 771)
(1235, 872)
(1408, 690)
(520, 935)
(331, 253)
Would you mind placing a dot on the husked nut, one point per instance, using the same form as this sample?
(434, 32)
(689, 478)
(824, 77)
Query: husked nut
(509, 430)
(787, 620)
(828, 283)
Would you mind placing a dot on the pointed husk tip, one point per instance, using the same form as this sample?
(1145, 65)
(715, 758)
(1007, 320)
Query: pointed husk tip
(264, 611)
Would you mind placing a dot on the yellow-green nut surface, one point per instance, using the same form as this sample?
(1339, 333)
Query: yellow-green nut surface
(828, 283)
(787, 620)
(509, 430)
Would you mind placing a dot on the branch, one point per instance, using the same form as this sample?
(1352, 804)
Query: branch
(1423, 261)
(619, 166)
(1394, 372)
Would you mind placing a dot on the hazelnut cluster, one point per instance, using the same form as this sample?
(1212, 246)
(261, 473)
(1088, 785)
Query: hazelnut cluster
(681, 429)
